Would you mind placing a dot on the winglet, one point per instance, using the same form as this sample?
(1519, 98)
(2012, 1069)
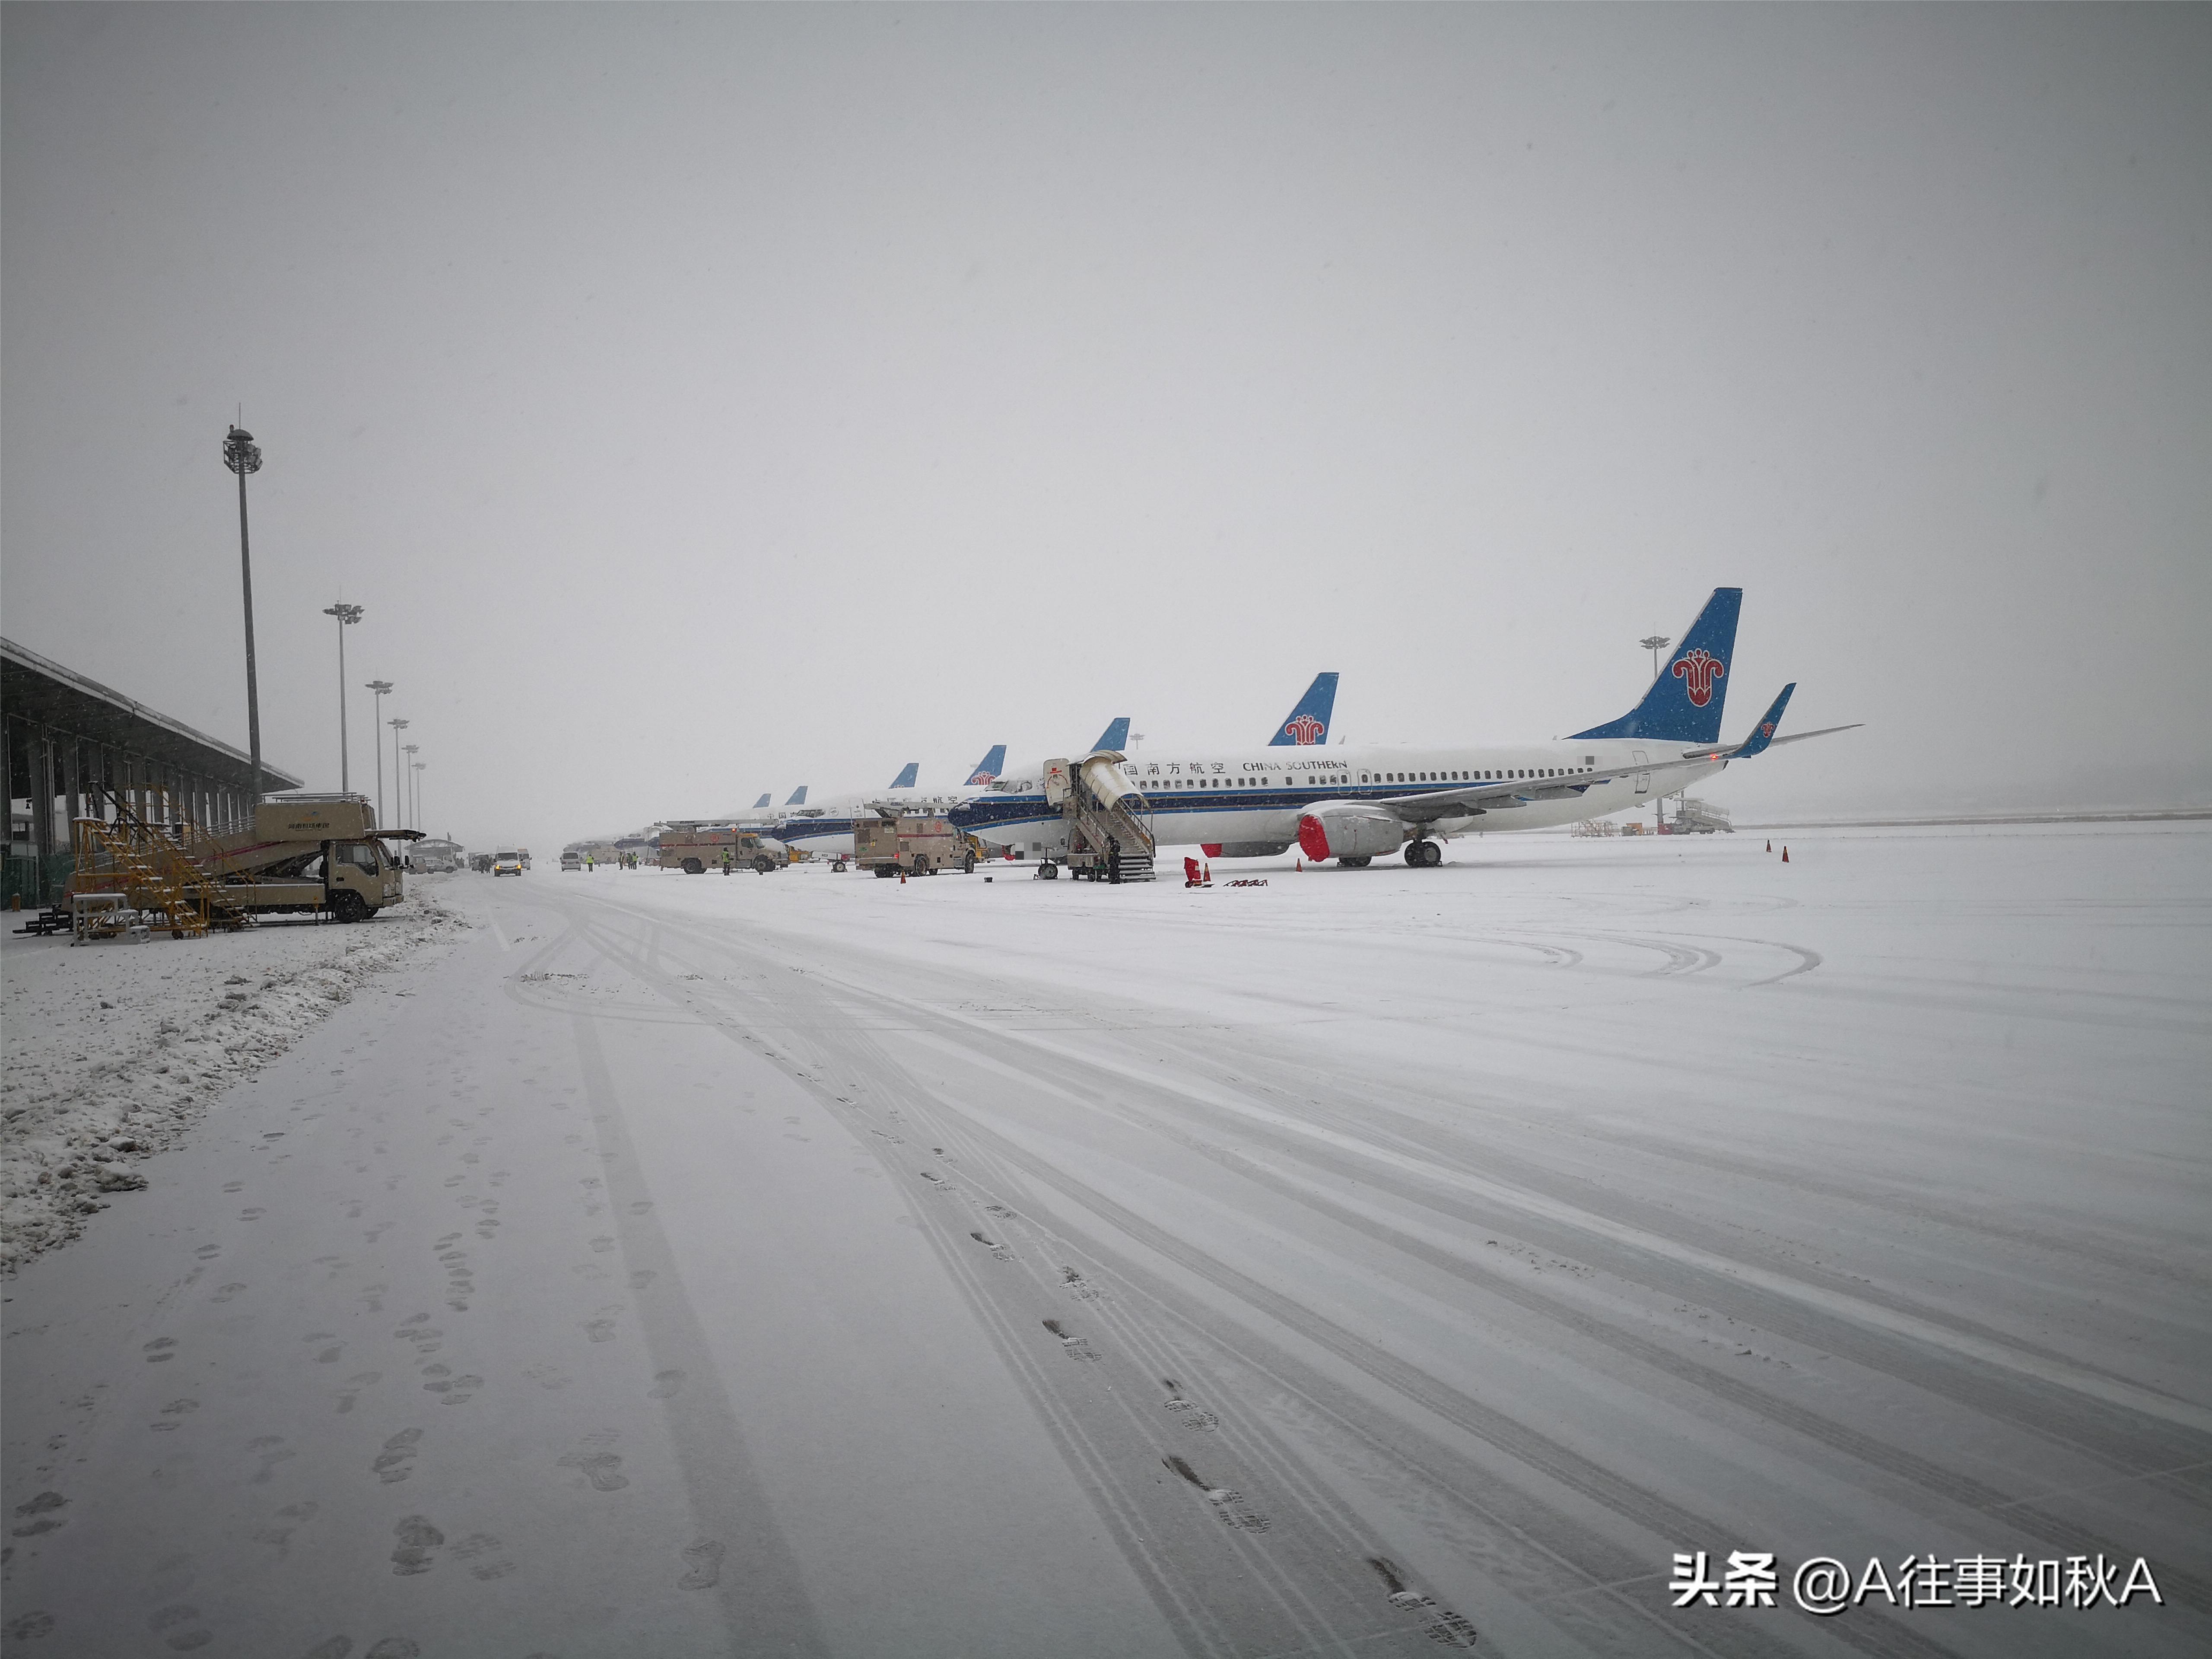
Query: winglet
(1308, 723)
(1763, 733)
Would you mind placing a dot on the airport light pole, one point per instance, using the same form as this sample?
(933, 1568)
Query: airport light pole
(419, 765)
(1654, 643)
(399, 778)
(242, 455)
(411, 748)
(380, 687)
(347, 615)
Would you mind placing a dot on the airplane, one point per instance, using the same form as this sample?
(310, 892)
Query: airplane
(1355, 805)
(827, 828)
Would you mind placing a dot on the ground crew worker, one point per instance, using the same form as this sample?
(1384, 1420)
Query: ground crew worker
(1113, 861)
(726, 860)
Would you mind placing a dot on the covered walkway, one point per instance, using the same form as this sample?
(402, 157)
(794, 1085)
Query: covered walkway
(67, 738)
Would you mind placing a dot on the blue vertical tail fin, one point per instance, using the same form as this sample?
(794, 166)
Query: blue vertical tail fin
(798, 797)
(1115, 735)
(1769, 723)
(1684, 703)
(1308, 723)
(987, 769)
(906, 775)
(761, 802)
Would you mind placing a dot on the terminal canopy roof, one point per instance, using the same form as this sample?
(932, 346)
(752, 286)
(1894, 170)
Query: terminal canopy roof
(38, 690)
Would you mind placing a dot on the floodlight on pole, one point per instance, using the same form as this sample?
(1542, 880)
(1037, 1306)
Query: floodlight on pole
(419, 765)
(347, 615)
(399, 778)
(380, 687)
(242, 455)
(405, 810)
(1654, 643)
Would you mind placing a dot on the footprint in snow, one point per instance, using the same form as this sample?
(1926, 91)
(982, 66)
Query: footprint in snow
(225, 1292)
(666, 1385)
(391, 1464)
(179, 1627)
(160, 1348)
(602, 1468)
(417, 1537)
(702, 1565)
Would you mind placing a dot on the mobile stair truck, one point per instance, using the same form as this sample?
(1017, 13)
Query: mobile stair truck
(316, 854)
(1105, 817)
(890, 840)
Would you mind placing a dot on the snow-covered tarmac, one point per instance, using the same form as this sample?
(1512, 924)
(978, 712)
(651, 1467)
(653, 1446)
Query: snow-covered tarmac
(815, 1265)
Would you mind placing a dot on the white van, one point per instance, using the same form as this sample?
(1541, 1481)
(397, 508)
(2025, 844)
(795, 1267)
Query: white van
(506, 863)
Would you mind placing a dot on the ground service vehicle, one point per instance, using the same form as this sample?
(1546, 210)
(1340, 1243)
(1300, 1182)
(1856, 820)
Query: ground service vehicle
(572, 860)
(888, 841)
(697, 847)
(304, 852)
(506, 863)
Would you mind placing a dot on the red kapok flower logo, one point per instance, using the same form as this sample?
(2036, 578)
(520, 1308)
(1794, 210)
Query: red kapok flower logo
(1305, 731)
(1698, 671)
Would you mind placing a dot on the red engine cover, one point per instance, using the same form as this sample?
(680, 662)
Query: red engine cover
(1313, 838)
(1211, 848)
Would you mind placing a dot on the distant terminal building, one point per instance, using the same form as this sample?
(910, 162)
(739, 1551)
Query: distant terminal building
(71, 743)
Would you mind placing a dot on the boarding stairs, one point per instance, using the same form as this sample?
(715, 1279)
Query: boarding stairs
(153, 864)
(1094, 823)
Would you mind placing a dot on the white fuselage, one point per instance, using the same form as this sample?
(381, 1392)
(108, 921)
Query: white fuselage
(1256, 797)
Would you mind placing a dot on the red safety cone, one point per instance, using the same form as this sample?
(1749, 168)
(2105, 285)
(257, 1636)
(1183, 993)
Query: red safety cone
(1301, 867)
(1209, 872)
(1769, 846)
(1785, 859)
(1786, 856)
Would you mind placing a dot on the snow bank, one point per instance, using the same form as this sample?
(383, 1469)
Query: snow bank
(113, 1050)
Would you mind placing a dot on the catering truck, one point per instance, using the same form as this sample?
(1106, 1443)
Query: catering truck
(888, 841)
(696, 847)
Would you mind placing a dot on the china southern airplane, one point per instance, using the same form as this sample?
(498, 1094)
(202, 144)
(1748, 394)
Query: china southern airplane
(828, 829)
(1355, 805)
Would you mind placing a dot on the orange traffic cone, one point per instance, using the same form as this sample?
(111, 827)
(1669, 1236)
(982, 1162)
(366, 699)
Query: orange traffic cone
(1301, 867)
(1786, 856)
(1769, 846)
(1785, 859)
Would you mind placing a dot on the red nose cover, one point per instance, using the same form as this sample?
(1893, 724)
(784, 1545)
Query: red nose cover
(1313, 837)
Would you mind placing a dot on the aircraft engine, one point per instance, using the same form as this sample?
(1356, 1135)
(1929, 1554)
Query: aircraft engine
(1348, 830)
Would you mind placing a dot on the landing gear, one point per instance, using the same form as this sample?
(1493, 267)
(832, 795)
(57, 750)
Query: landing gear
(1422, 855)
(1048, 870)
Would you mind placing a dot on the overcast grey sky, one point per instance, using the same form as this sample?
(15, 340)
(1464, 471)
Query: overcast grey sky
(704, 400)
